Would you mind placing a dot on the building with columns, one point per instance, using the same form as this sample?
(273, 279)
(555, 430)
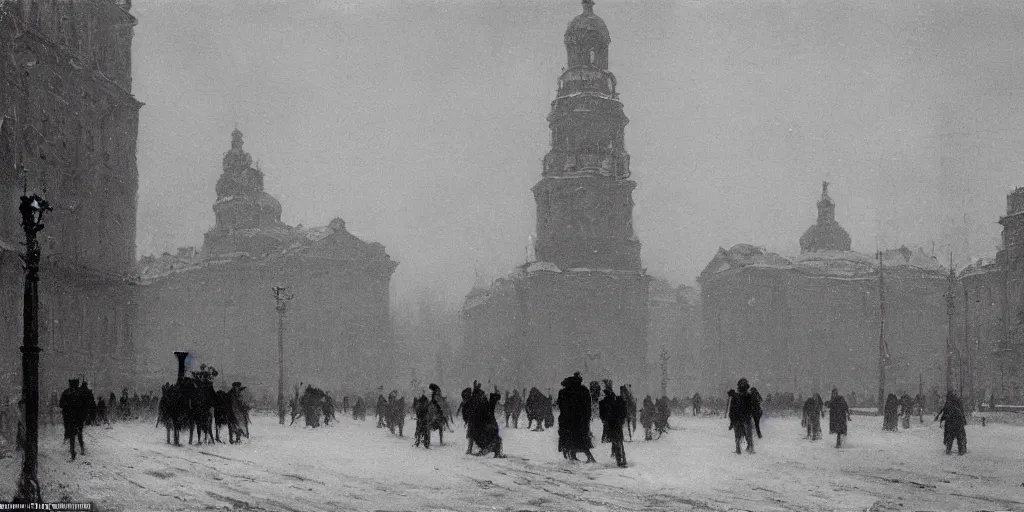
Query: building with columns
(583, 304)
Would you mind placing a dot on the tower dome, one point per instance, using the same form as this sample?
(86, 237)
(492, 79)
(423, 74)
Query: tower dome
(587, 39)
(826, 234)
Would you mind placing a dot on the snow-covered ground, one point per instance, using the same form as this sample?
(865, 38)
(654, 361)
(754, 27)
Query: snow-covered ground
(355, 466)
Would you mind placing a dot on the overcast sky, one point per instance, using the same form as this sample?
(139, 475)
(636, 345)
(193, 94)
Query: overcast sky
(422, 124)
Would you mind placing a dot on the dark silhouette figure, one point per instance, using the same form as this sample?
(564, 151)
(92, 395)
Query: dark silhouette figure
(755, 398)
(955, 421)
(574, 406)
(741, 415)
(73, 410)
(838, 415)
(612, 410)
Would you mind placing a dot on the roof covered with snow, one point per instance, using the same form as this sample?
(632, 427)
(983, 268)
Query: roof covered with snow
(836, 264)
(294, 240)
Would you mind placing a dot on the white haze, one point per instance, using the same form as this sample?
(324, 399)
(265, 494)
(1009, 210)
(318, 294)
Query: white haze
(422, 124)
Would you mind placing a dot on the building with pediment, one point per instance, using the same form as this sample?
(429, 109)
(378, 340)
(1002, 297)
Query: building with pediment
(217, 302)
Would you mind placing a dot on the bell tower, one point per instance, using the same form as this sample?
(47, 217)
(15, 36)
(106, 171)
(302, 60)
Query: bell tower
(585, 197)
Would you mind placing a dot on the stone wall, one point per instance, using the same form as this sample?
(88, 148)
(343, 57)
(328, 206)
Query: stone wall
(337, 328)
(68, 129)
(535, 328)
(788, 331)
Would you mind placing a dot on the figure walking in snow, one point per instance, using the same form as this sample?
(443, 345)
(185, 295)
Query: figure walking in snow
(574, 413)
(74, 411)
(755, 398)
(612, 410)
(741, 415)
(812, 417)
(838, 415)
(890, 419)
(954, 419)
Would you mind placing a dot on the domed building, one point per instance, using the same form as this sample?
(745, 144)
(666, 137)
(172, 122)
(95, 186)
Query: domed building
(217, 303)
(826, 234)
(807, 323)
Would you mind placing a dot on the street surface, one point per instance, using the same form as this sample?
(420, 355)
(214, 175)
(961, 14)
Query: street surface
(355, 466)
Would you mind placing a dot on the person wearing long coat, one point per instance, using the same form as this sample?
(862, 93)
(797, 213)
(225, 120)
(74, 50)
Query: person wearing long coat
(755, 397)
(741, 415)
(74, 412)
(954, 421)
(574, 413)
(838, 415)
(612, 410)
(890, 419)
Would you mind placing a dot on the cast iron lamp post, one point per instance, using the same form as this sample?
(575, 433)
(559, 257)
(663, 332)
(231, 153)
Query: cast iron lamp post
(32, 209)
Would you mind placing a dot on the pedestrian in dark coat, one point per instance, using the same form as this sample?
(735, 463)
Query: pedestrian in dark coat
(755, 398)
(647, 414)
(906, 410)
(890, 420)
(838, 415)
(88, 403)
(574, 414)
(741, 416)
(73, 411)
(612, 410)
(952, 414)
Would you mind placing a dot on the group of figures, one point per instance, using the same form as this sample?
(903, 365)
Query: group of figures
(838, 416)
(654, 417)
(79, 407)
(951, 415)
(391, 412)
(313, 403)
(477, 410)
(744, 406)
(192, 403)
(575, 406)
(105, 410)
(901, 408)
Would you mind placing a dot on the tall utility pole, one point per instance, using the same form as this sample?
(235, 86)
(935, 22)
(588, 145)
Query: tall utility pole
(32, 209)
(950, 311)
(1005, 345)
(882, 352)
(664, 370)
(968, 357)
(282, 298)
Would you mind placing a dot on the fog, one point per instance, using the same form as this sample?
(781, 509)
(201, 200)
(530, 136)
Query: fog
(422, 124)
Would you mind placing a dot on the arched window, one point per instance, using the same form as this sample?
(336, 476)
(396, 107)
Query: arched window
(593, 57)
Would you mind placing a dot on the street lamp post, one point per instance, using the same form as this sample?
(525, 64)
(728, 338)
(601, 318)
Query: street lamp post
(282, 298)
(950, 312)
(32, 209)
